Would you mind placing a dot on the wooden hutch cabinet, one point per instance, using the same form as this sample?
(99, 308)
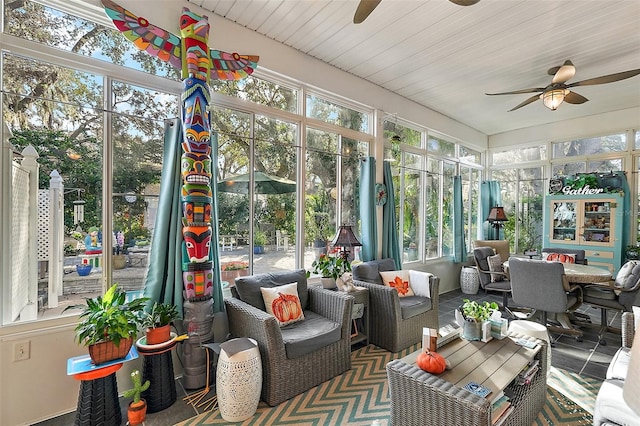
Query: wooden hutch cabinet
(593, 223)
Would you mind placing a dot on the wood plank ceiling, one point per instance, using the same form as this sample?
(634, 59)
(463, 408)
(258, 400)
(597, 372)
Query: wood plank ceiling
(446, 57)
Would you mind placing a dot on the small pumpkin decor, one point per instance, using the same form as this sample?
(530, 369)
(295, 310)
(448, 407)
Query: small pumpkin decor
(157, 322)
(137, 411)
(431, 362)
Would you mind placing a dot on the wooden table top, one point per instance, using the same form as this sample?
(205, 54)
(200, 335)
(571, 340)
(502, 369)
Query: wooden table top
(493, 364)
(582, 274)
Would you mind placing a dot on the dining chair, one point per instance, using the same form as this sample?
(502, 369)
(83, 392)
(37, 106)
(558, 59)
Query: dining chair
(619, 296)
(492, 280)
(542, 286)
(501, 247)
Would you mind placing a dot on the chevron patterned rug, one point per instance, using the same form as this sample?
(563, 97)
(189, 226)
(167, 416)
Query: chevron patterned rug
(361, 397)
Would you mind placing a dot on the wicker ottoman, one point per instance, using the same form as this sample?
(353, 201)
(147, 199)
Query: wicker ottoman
(469, 281)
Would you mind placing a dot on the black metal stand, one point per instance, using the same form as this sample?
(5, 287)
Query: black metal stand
(158, 369)
(98, 403)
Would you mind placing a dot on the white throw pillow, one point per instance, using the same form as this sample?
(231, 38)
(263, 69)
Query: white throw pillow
(283, 303)
(495, 265)
(398, 280)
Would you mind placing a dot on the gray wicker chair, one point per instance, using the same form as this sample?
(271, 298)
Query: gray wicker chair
(389, 328)
(288, 372)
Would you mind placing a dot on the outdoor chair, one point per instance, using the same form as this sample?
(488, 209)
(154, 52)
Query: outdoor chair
(397, 322)
(298, 356)
(623, 293)
(542, 286)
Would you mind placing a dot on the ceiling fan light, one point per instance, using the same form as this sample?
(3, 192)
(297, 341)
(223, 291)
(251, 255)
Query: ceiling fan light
(552, 99)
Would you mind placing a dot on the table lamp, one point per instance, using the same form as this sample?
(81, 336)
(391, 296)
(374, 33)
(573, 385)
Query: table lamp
(345, 239)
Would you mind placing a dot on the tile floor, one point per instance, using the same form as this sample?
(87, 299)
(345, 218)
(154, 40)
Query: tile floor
(587, 357)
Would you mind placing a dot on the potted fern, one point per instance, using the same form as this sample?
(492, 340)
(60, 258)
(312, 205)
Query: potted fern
(157, 322)
(109, 324)
(137, 411)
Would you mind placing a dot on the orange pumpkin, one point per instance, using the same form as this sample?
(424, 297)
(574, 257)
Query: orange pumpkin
(286, 307)
(431, 362)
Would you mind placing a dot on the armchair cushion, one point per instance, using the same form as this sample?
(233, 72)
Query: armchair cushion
(619, 364)
(283, 303)
(420, 282)
(308, 336)
(495, 265)
(248, 287)
(370, 271)
(398, 280)
(411, 306)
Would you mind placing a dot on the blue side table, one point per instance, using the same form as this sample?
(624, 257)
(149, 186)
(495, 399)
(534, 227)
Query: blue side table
(98, 397)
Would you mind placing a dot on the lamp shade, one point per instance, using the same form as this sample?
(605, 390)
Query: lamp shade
(553, 98)
(631, 389)
(345, 237)
(497, 214)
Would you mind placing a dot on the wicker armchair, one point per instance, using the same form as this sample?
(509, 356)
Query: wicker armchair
(389, 328)
(286, 375)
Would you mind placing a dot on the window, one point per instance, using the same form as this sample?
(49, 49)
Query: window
(333, 113)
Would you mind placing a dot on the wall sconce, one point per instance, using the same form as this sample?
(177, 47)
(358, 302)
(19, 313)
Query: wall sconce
(346, 239)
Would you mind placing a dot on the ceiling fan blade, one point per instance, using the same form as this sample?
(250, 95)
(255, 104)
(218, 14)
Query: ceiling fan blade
(519, 92)
(527, 102)
(574, 98)
(464, 2)
(606, 78)
(364, 10)
(564, 73)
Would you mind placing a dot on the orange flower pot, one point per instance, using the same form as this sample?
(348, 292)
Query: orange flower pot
(158, 335)
(137, 412)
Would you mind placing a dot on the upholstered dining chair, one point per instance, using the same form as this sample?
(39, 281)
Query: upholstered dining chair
(397, 322)
(295, 357)
(620, 296)
(492, 278)
(501, 247)
(542, 286)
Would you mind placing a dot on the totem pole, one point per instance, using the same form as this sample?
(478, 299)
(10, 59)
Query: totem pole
(190, 54)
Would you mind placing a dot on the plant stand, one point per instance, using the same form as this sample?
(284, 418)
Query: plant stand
(98, 403)
(158, 369)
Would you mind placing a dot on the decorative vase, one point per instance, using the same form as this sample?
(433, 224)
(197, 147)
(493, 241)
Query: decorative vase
(157, 335)
(119, 261)
(258, 249)
(328, 282)
(471, 330)
(108, 351)
(137, 412)
(83, 269)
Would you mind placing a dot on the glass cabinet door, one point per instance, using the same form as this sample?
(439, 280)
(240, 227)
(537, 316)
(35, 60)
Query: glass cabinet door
(564, 221)
(597, 221)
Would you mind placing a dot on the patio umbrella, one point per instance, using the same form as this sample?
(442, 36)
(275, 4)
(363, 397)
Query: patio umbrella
(265, 184)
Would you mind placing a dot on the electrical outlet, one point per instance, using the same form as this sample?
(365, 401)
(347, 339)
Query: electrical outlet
(21, 351)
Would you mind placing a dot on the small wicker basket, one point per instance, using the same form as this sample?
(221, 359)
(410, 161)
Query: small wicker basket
(108, 351)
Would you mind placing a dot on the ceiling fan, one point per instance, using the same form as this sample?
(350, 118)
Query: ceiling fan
(366, 7)
(558, 91)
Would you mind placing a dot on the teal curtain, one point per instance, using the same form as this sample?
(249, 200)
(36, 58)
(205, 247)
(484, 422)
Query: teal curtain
(164, 277)
(369, 233)
(390, 243)
(459, 246)
(489, 197)
(218, 302)
(626, 221)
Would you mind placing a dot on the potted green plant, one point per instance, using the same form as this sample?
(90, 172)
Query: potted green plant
(137, 411)
(229, 271)
(157, 322)
(108, 324)
(329, 267)
(259, 240)
(632, 252)
(470, 316)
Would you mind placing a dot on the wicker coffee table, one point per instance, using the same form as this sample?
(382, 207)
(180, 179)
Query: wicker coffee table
(421, 398)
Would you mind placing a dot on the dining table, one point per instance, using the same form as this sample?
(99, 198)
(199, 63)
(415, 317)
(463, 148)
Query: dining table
(583, 274)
